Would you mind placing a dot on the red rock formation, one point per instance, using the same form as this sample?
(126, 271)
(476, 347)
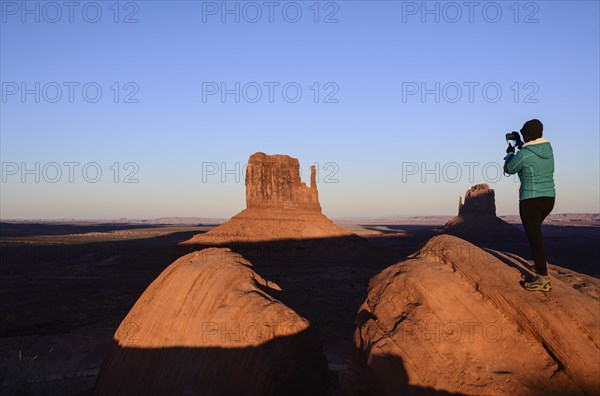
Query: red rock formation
(273, 181)
(454, 318)
(479, 199)
(477, 216)
(209, 325)
(279, 207)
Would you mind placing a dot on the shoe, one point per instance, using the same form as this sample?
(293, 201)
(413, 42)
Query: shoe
(539, 283)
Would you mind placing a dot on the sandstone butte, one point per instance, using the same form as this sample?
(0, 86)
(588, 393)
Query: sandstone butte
(453, 318)
(279, 206)
(209, 325)
(477, 216)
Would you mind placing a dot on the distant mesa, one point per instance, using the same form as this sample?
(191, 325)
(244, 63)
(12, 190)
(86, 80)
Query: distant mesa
(279, 206)
(477, 216)
(210, 325)
(479, 199)
(453, 319)
(273, 181)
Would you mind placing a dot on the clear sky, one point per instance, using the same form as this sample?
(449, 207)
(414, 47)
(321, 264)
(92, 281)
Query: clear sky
(390, 92)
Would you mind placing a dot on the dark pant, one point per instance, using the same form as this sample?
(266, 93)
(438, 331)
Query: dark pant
(533, 211)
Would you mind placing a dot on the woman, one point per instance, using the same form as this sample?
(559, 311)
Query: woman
(535, 165)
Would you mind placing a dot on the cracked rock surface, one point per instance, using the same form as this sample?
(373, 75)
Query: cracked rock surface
(209, 324)
(454, 318)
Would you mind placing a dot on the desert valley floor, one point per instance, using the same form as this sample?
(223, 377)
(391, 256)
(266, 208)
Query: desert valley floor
(67, 286)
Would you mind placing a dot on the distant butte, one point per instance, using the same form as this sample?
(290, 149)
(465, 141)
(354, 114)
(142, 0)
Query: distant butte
(273, 181)
(479, 199)
(279, 206)
(477, 216)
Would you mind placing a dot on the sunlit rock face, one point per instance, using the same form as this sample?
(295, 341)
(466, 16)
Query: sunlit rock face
(211, 325)
(454, 318)
(273, 181)
(279, 206)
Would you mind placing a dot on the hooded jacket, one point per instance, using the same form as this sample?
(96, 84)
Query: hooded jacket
(535, 165)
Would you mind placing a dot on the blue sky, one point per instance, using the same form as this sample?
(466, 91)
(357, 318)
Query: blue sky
(358, 117)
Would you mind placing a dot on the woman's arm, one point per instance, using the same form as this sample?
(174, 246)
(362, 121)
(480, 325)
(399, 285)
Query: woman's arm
(513, 163)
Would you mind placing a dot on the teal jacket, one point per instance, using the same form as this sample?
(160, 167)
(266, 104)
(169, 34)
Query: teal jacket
(535, 165)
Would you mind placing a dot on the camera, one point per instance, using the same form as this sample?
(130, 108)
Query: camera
(514, 136)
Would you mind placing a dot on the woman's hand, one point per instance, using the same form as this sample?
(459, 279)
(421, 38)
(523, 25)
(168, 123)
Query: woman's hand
(518, 141)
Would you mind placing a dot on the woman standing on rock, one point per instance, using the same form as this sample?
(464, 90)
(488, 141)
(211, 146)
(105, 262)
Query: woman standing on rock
(535, 165)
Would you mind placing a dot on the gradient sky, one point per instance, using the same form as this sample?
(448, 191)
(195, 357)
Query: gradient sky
(371, 146)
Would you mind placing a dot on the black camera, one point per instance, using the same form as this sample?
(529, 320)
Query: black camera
(514, 136)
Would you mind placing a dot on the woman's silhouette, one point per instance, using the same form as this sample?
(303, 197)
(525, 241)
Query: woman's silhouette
(534, 164)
